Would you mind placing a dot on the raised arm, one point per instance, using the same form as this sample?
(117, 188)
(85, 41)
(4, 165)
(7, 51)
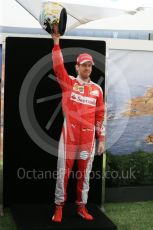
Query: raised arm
(58, 64)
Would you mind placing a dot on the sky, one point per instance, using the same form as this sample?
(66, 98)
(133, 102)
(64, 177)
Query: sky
(12, 14)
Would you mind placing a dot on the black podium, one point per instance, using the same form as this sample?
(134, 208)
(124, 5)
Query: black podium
(38, 217)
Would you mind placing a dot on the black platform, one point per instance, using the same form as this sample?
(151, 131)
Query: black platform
(38, 217)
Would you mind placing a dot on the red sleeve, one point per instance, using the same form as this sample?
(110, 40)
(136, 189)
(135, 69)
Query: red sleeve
(100, 116)
(59, 69)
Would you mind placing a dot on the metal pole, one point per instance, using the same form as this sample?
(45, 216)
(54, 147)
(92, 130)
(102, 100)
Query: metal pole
(104, 154)
(2, 126)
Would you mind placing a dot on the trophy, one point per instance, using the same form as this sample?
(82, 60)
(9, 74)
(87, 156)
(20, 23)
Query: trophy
(53, 18)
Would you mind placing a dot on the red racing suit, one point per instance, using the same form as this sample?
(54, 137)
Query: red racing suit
(83, 109)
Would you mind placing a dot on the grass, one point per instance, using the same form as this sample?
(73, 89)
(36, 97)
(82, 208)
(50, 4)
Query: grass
(7, 222)
(131, 216)
(127, 216)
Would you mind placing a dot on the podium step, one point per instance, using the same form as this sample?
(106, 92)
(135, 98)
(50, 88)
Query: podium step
(38, 217)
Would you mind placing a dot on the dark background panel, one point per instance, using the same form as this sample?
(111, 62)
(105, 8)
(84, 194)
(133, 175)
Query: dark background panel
(20, 152)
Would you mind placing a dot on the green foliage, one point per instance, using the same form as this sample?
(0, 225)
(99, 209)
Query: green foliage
(1, 187)
(131, 169)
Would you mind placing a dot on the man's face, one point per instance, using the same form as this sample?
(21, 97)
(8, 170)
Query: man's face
(84, 70)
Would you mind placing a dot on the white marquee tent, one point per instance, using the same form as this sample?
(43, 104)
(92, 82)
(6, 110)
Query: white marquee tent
(129, 15)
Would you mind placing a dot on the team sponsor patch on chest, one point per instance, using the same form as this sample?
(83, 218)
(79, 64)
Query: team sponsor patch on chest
(78, 88)
(82, 99)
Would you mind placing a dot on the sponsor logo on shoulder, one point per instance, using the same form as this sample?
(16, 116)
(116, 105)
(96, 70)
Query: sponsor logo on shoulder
(95, 93)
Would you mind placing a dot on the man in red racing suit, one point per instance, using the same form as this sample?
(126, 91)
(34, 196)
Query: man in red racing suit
(83, 108)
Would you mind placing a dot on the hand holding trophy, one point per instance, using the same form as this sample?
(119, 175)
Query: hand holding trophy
(53, 18)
